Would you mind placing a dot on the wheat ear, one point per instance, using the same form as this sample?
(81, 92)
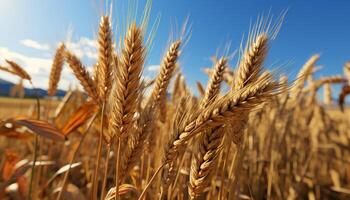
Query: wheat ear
(56, 70)
(251, 63)
(226, 109)
(182, 115)
(127, 82)
(135, 147)
(302, 76)
(82, 75)
(105, 58)
(209, 148)
(8, 70)
(213, 87)
(207, 136)
(126, 90)
(146, 123)
(18, 70)
(204, 161)
(167, 68)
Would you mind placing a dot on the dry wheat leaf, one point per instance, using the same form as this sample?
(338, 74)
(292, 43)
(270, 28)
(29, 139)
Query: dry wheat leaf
(79, 117)
(15, 135)
(42, 128)
(13, 131)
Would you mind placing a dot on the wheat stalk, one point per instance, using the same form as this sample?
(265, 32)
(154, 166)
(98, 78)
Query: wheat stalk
(304, 72)
(327, 94)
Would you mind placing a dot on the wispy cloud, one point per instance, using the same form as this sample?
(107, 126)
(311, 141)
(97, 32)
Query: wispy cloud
(39, 66)
(35, 45)
(34, 63)
(84, 48)
(153, 68)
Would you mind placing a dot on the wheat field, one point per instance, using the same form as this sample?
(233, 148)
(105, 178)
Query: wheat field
(249, 133)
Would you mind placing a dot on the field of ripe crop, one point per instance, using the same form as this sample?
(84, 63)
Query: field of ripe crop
(248, 133)
(11, 107)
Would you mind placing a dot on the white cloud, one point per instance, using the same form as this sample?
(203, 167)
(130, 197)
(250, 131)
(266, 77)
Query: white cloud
(35, 64)
(88, 42)
(84, 48)
(153, 68)
(39, 66)
(35, 45)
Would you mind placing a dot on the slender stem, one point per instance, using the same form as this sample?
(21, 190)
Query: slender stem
(177, 176)
(148, 171)
(66, 175)
(223, 171)
(141, 172)
(150, 182)
(33, 168)
(39, 169)
(35, 144)
(103, 194)
(95, 180)
(117, 169)
(235, 169)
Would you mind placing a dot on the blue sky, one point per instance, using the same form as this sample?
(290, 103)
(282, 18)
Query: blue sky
(30, 31)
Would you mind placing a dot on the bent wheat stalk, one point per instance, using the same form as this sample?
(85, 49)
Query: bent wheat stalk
(226, 109)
